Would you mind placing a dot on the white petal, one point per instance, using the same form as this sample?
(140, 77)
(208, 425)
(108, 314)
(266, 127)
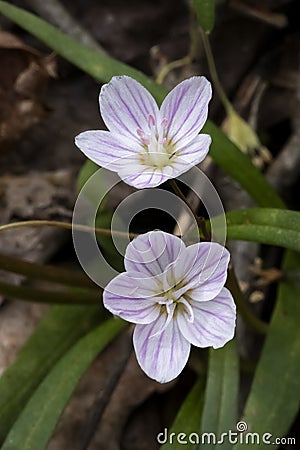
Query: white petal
(141, 176)
(185, 109)
(164, 355)
(125, 106)
(107, 150)
(195, 151)
(122, 297)
(203, 268)
(214, 321)
(152, 252)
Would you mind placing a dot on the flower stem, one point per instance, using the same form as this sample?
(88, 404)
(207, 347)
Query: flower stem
(172, 65)
(214, 74)
(200, 220)
(45, 272)
(244, 310)
(186, 60)
(67, 226)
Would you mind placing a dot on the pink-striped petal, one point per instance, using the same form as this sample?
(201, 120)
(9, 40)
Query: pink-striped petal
(123, 298)
(162, 356)
(195, 151)
(214, 321)
(141, 176)
(186, 108)
(203, 267)
(152, 252)
(107, 150)
(125, 106)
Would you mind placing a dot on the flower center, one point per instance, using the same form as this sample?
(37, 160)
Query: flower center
(180, 303)
(171, 305)
(159, 151)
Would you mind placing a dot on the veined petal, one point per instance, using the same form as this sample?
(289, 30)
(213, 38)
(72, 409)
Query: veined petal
(122, 297)
(125, 106)
(152, 252)
(194, 152)
(185, 109)
(107, 150)
(203, 270)
(140, 176)
(164, 355)
(214, 321)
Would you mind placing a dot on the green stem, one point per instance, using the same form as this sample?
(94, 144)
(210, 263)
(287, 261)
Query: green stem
(171, 66)
(188, 59)
(243, 308)
(31, 294)
(66, 226)
(45, 272)
(200, 220)
(214, 74)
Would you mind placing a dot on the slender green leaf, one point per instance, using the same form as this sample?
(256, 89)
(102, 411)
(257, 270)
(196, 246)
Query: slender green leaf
(268, 226)
(103, 67)
(37, 421)
(187, 421)
(205, 11)
(110, 251)
(87, 170)
(273, 401)
(221, 396)
(57, 331)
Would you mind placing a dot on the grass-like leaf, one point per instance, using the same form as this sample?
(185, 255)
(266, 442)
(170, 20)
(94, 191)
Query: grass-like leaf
(37, 421)
(54, 335)
(273, 401)
(221, 396)
(267, 226)
(187, 423)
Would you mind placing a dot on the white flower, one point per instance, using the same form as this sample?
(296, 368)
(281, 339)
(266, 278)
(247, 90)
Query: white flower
(176, 296)
(146, 145)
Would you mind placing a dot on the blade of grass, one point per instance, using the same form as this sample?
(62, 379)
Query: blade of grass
(54, 335)
(221, 396)
(273, 402)
(187, 421)
(37, 421)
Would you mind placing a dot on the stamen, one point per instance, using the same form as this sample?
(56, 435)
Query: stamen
(189, 309)
(170, 308)
(151, 121)
(145, 140)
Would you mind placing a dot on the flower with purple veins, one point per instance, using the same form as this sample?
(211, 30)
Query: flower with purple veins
(176, 297)
(146, 145)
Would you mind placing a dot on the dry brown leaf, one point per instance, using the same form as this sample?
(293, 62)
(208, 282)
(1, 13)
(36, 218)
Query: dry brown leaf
(23, 80)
